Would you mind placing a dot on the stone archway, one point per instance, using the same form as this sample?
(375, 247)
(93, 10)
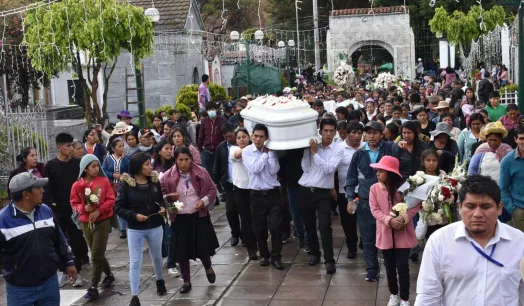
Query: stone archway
(387, 27)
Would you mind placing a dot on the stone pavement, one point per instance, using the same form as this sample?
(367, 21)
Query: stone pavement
(240, 282)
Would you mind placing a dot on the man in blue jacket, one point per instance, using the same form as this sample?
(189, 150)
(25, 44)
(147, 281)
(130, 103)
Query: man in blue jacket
(32, 245)
(359, 180)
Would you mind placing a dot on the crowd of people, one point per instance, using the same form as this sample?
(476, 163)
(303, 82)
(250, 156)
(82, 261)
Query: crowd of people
(127, 178)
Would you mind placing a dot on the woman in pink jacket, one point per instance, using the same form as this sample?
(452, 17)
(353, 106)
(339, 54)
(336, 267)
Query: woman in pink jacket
(395, 235)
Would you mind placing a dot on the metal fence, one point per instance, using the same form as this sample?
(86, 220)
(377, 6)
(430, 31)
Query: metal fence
(19, 128)
(508, 97)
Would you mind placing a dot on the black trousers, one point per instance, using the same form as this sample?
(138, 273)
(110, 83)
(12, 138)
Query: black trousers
(267, 214)
(75, 238)
(318, 204)
(231, 211)
(243, 207)
(285, 226)
(349, 222)
(397, 260)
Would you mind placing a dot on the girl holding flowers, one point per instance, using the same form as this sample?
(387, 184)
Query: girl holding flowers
(141, 204)
(93, 199)
(395, 232)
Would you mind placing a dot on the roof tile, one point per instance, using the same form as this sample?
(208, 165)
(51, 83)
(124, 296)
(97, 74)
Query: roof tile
(173, 13)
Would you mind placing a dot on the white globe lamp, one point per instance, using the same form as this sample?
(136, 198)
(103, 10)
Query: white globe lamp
(291, 43)
(281, 44)
(153, 14)
(259, 35)
(234, 35)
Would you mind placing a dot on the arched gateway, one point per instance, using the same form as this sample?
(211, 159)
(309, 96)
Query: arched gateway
(386, 27)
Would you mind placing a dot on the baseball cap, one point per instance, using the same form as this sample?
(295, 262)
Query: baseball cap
(25, 180)
(374, 125)
(144, 132)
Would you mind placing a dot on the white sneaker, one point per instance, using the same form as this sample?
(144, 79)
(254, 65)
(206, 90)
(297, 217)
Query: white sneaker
(405, 303)
(173, 272)
(164, 262)
(78, 282)
(63, 279)
(394, 300)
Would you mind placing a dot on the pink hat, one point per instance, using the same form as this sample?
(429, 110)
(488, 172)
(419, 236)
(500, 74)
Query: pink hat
(387, 163)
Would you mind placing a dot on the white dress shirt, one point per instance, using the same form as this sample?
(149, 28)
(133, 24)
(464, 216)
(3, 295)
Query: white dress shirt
(343, 165)
(240, 178)
(319, 169)
(454, 273)
(262, 168)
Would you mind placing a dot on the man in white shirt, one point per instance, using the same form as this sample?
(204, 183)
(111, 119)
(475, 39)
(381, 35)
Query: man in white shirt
(319, 164)
(262, 168)
(349, 146)
(473, 262)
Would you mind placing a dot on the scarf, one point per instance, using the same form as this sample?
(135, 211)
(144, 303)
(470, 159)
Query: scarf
(500, 152)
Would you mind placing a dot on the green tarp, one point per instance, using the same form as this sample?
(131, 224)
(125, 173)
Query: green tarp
(264, 79)
(387, 66)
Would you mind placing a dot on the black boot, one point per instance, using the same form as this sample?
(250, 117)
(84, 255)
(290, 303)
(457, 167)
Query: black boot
(161, 287)
(134, 301)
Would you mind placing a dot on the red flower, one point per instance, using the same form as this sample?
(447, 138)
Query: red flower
(445, 192)
(453, 182)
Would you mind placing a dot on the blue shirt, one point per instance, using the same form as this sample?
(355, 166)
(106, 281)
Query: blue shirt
(229, 166)
(373, 155)
(511, 181)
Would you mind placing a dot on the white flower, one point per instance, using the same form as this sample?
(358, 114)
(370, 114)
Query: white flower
(93, 198)
(440, 211)
(420, 173)
(419, 180)
(401, 208)
(441, 197)
(179, 205)
(87, 192)
(437, 218)
(458, 187)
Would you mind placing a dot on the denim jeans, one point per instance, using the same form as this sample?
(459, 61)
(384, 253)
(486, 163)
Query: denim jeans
(135, 242)
(168, 233)
(47, 294)
(367, 226)
(122, 224)
(293, 195)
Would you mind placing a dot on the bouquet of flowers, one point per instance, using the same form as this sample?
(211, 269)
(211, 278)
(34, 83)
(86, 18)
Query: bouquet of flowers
(344, 75)
(92, 198)
(398, 209)
(415, 189)
(441, 200)
(384, 80)
(172, 209)
(460, 172)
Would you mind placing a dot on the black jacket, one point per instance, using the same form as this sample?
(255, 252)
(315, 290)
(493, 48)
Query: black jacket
(220, 169)
(31, 256)
(485, 88)
(409, 163)
(133, 200)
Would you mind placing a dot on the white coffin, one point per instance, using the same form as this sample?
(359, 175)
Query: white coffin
(289, 127)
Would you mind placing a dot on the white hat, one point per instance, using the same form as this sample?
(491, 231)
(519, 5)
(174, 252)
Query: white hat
(121, 128)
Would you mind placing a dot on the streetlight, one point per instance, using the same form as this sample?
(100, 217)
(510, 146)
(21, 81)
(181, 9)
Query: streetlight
(235, 36)
(290, 44)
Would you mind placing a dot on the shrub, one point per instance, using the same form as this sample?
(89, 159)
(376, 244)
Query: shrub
(188, 95)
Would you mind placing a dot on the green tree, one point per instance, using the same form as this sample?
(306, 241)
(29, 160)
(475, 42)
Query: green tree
(61, 34)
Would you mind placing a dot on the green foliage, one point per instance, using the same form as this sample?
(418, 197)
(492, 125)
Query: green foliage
(188, 95)
(249, 34)
(183, 109)
(217, 92)
(55, 34)
(510, 88)
(462, 28)
(150, 114)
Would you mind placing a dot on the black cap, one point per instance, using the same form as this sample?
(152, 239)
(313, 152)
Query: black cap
(374, 125)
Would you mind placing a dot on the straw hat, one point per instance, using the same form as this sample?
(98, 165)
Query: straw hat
(387, 163)
(442, 105)
(493, 128)
(121, 128)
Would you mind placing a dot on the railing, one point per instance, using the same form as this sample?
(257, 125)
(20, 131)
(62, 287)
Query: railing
(508, 97)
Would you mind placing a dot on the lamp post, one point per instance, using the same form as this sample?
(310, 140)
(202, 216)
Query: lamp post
(290, 44)
(259, 36)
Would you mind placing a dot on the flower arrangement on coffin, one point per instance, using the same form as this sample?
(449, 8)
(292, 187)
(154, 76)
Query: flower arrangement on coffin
(384, 80)
(91, 197)
(344, 75)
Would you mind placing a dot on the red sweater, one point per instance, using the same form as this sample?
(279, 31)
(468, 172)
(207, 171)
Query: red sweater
(210, 134)
(106, 198)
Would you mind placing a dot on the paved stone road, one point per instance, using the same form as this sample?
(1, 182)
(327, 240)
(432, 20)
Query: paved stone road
(240, 282)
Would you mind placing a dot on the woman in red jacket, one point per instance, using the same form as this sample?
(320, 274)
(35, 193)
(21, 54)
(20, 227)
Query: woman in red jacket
(92, 198)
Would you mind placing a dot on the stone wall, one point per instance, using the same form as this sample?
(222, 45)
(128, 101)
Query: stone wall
(164, 74)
